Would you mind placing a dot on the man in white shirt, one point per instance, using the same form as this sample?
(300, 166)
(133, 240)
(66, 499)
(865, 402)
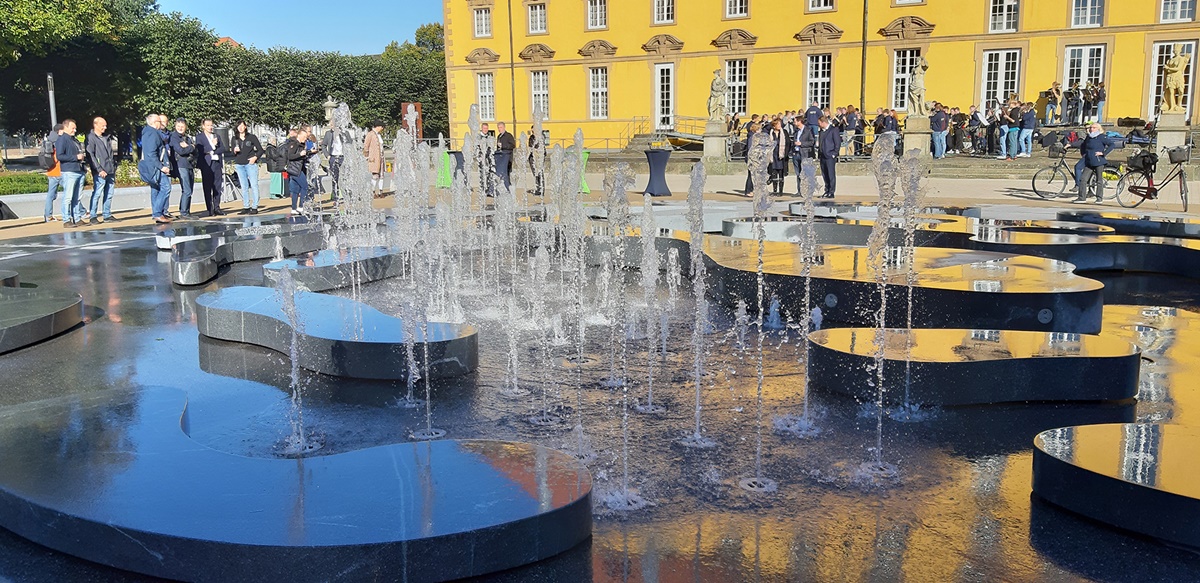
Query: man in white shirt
(333, 143)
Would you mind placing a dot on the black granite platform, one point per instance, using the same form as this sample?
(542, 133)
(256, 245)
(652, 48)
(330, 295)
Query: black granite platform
(1139, 477)
(971, 367)
(337, 268)
(31, 315)
(197, 261)
(338, 336)
(9, 278)
(113, 477)
(1135, 223)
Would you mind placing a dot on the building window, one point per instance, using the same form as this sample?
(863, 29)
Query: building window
(598, 92)
(1178, 10)
(820, 5)
(1085, 64)
(737, 8)
(1001, 72)
(537, 18)
(597, 14)
(1003, 16)
(486, 96)
(1087, 13)
(664, 96)
(737, 76)
(903, 2)
(820, 79)
(483, 22)
(539, 92)
(664, 11)
(1162, 54)
(903, 63)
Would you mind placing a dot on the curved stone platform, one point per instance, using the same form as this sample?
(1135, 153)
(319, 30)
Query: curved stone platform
(1138, 477)
(31, 315)
(327, 340)
(197, 261)
(9, 278)
(112, 477)
(1135, 223)
(971, 367)
(337, 268)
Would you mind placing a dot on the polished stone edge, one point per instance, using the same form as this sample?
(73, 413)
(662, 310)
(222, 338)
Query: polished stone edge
(338, 357)
(319, 278)
(202, 268)
(981, 382)
(9, 278)
(67, 314)
(1152, 512)
(1133, 223)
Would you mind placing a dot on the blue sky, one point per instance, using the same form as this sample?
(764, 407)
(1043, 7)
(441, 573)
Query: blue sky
(354, 27)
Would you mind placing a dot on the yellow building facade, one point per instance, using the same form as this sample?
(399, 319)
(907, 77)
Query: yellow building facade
(614, 67)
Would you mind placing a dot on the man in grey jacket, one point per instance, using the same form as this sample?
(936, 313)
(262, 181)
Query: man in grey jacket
(100, 161)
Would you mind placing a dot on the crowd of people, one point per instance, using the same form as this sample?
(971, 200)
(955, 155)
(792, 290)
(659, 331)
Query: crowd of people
(177, 153)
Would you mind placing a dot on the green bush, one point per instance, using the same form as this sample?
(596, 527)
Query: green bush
(22, 183)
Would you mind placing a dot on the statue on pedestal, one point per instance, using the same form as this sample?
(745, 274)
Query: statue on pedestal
(916, 88)
(1173, 82)
(717, 96)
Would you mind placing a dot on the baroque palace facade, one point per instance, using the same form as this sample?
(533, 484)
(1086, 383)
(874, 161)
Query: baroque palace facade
(609, 66)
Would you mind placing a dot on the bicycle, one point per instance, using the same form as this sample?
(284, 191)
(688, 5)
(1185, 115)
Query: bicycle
(1138, 186)
(1052, 181)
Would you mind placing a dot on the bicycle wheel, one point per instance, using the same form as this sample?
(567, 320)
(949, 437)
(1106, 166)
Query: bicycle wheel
(1050, 182)
(1126, 198)
(1111, 175)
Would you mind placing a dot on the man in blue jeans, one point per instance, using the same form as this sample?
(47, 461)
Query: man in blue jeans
(1093, 149)
(53, 176)
(70, 158)
(100, 161)
(155, 168)
(939, 123)
(297, 156)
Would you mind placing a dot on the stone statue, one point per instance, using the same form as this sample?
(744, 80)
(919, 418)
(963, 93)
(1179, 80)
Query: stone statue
(717, 96)
(1173, 83)
(916, 88)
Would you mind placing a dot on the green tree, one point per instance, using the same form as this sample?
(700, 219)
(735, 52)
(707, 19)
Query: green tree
(35, 26)
(186, 73)
(431, 37)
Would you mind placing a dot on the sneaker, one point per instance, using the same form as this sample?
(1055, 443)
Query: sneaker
(295, 212)
(1099, 201)
(244, 211)
(1079, 201)
(112, 219)
(69, 224)
(1073, 189)
(254, 211)
(999, 157)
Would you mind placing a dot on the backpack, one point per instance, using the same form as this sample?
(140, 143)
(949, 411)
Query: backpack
(46, 160)
(275, 158)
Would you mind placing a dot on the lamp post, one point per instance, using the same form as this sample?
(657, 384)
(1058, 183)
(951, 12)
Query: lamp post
(53, 109)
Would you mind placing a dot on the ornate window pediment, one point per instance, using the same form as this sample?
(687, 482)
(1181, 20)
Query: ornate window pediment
(907, 28)
(482, 56)
(536, 52)
(480, 3)
(819, 33)
(734, 39)
(598, 48)
(662, 45)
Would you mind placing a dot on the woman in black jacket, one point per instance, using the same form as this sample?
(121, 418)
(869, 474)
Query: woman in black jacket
(246, 152)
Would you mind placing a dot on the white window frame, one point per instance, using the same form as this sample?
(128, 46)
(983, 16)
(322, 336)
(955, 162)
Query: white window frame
(664, 101)
(818, 87)
(903, 61)
(1177, 11)
(1086, 53)
(598, 92)
(664, 11)
(1002, 89)
(1087, 13)
(485, 95)
(537, 17)
(737, 76)
(1157, 59)
(539, 92)
(901, 2)
(737, 8)
(483, 16)
(1002, 12)
(597, 14)
(821, 5)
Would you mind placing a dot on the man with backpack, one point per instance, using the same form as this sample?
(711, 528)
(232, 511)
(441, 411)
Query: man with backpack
(154, 168)
(49, 163)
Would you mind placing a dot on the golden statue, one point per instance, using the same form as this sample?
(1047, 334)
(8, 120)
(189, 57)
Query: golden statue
(1173, 82)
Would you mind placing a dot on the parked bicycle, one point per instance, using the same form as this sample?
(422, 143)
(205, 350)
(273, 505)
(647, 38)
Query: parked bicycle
(1053, 181)
(1138, 185)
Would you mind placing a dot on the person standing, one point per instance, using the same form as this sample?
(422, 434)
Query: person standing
(828, 143)
(978, 126)
(1094, 148)
(154, 168)
(1101, 97)
(100, 160)
(210, 151)
(535, 152)
(940, 124)
(70, 159)
(779, 155)
(183, 152)
(246, 152)
(334, 142)
(802, 149)
(53, 174)
(297, 157)
(1053, 97)
(373, 150)
(506, 144)
(1028, 124)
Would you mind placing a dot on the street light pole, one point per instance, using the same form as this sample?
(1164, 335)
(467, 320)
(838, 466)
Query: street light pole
(862, 79)
(512, 69)
(53, 109)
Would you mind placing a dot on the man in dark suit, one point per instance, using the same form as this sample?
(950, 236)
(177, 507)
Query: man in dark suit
(505, 144)
(803, 145)
(829, 141)
(1094, 148)
(210, 152)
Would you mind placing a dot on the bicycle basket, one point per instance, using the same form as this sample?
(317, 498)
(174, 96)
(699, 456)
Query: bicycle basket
(1056, 150)
(1179, 154)
(1143, 161)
